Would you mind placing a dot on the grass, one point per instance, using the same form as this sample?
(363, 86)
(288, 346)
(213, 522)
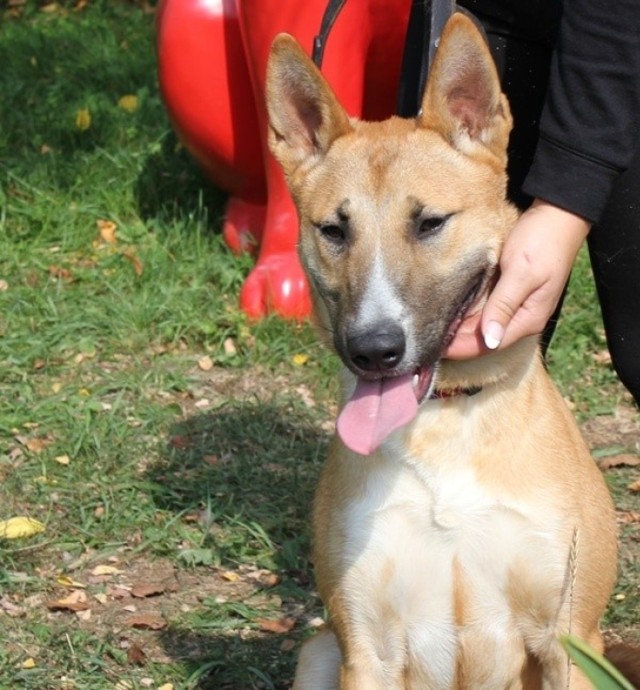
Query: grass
(143, 420)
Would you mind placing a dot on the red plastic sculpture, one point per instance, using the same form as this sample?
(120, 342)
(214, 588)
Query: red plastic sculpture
(212, 57)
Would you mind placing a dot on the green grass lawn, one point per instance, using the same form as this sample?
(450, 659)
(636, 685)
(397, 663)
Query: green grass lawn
(169, 447)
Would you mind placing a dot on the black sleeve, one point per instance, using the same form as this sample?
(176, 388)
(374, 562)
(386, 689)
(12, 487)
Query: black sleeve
(590, 125)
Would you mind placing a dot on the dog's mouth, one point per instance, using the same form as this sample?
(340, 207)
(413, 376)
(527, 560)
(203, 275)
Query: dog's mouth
(379, 407)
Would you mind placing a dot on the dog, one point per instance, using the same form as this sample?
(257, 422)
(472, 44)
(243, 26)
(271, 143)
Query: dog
(460, 523)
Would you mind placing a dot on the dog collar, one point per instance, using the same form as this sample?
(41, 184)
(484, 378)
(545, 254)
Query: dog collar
(454, 392)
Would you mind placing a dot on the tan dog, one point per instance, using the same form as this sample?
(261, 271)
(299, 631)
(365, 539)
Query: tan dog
(478, 529)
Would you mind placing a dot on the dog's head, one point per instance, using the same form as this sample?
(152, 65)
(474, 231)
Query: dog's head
(402, 221)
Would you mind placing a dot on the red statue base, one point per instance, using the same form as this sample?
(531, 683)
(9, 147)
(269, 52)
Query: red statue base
(212, 57)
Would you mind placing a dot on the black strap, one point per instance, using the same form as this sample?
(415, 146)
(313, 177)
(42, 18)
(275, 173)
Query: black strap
(328, 18)
(426, 22)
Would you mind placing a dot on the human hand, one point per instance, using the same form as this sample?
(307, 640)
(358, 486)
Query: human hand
(534, 267)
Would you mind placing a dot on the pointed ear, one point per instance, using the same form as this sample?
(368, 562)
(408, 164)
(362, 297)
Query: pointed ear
(463, 100)
(305, 117)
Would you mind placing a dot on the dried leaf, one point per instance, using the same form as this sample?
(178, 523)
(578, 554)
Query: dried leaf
(147, 589)
(106, 570)
(136, 655)
(166, 686)
(279, 626)
(107, 229)
(66, 581)
(130, 255)
(76, 601)
(35, 444)
(635, 486)
(625, 460)
(128, 103)
(147, 621)
(83, 116)
(20, 527)
(230, 576)
(205, 363)
(300, 360)
(62, 459)
(29, 663)
(60, 272)
(229, 347)
(101, 597)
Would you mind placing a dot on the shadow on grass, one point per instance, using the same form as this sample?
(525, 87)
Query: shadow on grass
(250, 468)
(171, 185)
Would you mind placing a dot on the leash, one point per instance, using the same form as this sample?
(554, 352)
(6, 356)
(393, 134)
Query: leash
(426, 22)
(329, 17)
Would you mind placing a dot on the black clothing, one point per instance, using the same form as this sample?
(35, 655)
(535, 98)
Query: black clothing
(571, 72)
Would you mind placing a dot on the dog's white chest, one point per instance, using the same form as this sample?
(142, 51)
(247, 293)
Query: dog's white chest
(426, 543)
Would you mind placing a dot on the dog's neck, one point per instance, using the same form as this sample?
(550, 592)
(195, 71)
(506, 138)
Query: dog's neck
(499, 367)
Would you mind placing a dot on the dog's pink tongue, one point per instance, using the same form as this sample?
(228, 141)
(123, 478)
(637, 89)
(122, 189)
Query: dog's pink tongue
(375, 410)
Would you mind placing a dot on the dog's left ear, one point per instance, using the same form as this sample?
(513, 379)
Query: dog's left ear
(463, 100)
(305, 117)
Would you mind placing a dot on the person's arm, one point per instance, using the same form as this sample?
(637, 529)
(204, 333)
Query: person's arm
(588, 134)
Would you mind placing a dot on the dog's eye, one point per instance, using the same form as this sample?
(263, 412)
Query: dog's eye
(334, 233)
(425, 227)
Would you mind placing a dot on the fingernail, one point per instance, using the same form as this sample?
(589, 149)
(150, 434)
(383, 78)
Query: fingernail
(493, 334)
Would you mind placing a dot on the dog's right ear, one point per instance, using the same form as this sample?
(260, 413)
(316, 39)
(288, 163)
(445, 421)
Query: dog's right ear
(305, 117)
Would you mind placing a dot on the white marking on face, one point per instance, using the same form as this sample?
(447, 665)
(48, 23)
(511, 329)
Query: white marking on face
(381, 302)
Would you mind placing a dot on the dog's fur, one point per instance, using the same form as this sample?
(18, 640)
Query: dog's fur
(458, 551)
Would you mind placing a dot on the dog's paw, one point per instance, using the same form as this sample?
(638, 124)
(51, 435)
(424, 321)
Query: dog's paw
(278, 285)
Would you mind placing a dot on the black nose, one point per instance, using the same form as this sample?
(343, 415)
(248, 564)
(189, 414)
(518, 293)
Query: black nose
(378, 348)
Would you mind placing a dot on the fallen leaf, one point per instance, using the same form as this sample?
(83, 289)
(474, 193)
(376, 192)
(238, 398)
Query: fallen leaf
(107, 229)
(300, 360)
(66, 581)
(29, 663)
(136, 655)
(635, 486)
(279, 626)
(130, 255)
(229, 347)
(230, 576)
(625, 460)
(147, 589)
(101, 597)
(166, 686)
(76, 601)
(20, 527)
(4, 285)
(287, 645)
(62, 459)
(106, 570)
(181, 442)
(205, 363)
(128, 103)
(83, 117)
(147, 621)
(35, 444)
(60, 272)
